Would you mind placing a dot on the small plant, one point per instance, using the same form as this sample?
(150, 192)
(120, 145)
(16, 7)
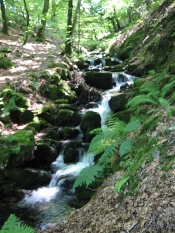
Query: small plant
(12, 225)
(113, 141)
(5, 62)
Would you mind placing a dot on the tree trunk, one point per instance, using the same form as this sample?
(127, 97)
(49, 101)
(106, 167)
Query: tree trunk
(41, 31)
(68, 45)
(77, 13)
(4, 18)
(28, 22)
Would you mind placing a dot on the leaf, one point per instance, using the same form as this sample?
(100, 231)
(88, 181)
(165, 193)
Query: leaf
(87, 175)
(13, 226)
(125, 147)
(120, 184)
(132, 126)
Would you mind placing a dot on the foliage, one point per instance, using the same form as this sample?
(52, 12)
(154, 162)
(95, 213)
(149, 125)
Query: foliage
(87, 176)
(12, 143)
(12, 225)
(5, 62)
(111, 142)
(12, 101)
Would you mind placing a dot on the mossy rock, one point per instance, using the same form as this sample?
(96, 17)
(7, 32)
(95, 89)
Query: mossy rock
(46, 152)
(44, 75)
(71, 152)
(66, 117)
(125, 53)
(13, 99)
(100, 80)
(61, 101)
(5, 62)
(124, 115)
(69, 133)
(118, 102)
(26, 178)
(24, 151)
(90, 120)
(68, 106)
(54, 134)
(55, 79)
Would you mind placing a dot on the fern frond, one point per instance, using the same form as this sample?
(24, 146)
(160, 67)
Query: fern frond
(167, 88)
(140, 99)
(120, 184)
(110, 150)
(13, 226)
(125, 147)
(114, 123)
(149, 87)
(87, 176)
(101, 141)
(132, 126)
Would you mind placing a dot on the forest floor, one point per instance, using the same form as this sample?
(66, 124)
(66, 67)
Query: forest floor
(151, 210)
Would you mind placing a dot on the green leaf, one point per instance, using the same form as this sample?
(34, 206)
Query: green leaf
(87, 175)
(125, 147)
(13, 226)
(120, 184)
(132, 126)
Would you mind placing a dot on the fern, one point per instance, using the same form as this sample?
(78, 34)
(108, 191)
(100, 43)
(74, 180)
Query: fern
(109, 142)
(120, 184)
(13, 226)
(167, 88)
(87, 175)
(141, 99)
(149, 87)
(125, 147)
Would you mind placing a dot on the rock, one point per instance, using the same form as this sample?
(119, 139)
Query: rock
(26, 178)
(54, 134)
(69, 133)
(90, 121)
(71, 152)
(67, 117)
(25, 141)
(118, 101)
(46, 152)
(100, 80)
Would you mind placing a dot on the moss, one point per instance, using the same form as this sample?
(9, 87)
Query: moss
(5, 62)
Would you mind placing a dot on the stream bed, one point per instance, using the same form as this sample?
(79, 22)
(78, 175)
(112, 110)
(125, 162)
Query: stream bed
(47, 205)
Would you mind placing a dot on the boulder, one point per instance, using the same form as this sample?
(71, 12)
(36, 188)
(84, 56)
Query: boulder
(69, 132)
(26, 178)
(46, 152)
(71, 152)
(118, 101)
(66, 117)
(100, 80)
(23, 117)
(24, 143)
(91, 120)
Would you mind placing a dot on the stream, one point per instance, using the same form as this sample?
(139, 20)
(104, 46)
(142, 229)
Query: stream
(47, 205)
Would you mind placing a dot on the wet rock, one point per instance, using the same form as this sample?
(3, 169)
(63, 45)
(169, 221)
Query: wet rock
(90, 121)
(66, 117)
(100, 80)
(46, 152)
(25, 178)
(71, 152)
(69, 132)
(118, 101)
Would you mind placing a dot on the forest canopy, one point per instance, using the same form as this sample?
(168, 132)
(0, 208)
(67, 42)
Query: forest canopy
(72, 24)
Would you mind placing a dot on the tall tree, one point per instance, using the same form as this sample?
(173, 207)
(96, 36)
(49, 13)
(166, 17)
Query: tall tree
(41, 31)
(4, 18)
(68, 45)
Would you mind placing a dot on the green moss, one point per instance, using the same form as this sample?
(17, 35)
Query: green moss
(5, 62)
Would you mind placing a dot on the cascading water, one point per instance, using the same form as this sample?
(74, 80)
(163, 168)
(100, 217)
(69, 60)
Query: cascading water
(50, 202)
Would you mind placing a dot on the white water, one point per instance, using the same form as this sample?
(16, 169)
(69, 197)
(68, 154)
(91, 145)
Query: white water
(64, 171)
